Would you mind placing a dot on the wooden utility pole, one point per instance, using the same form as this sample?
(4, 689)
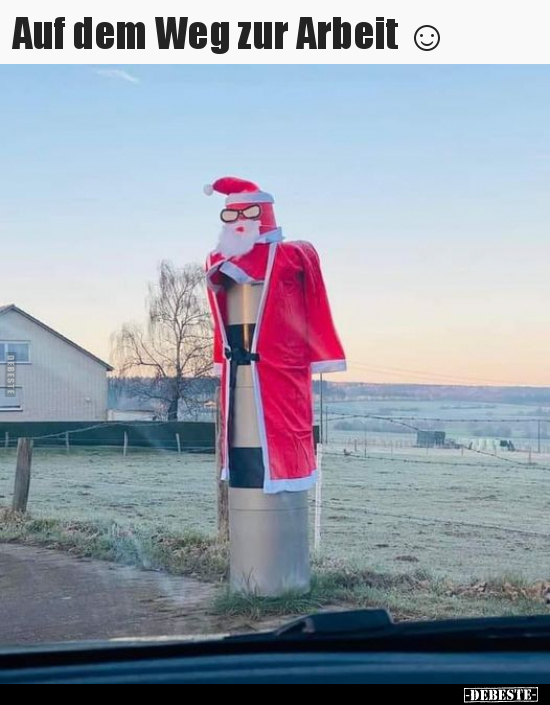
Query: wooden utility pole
(222, 487)
(22, 475)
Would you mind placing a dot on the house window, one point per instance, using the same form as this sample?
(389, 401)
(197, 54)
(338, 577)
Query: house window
(11, 399)
(18, 349)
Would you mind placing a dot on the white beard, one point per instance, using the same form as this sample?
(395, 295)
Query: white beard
(235, 244)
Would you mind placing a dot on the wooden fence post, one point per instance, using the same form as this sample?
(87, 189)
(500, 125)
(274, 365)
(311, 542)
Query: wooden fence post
(222, 487)
(22, 475)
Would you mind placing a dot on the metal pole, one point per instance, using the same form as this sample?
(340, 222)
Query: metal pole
(269, 542)
(321, 403)
(539, 436)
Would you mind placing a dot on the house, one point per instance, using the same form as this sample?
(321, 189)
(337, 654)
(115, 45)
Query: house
(45, 376)
(431, 439)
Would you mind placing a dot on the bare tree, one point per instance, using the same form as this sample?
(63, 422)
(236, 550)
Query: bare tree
(163, 359)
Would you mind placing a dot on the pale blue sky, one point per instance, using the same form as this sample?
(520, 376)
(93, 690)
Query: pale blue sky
(425, 188)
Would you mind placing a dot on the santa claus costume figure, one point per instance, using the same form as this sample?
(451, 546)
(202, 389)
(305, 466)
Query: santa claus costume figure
(272, 329)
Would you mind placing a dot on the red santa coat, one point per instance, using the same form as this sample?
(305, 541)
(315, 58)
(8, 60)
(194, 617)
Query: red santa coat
(294, 337)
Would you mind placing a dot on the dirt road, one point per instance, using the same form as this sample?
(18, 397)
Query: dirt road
(47, 596)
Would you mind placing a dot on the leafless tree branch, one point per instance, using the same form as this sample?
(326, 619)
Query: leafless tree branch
(164, 356)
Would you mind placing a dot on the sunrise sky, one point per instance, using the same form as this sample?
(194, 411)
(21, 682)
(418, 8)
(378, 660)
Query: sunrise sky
(426, 190)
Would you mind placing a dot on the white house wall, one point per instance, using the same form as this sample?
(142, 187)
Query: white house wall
(61, 383)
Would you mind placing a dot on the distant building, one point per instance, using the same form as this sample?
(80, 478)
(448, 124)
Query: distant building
(430, 439)
(128, 415)
(46, 377)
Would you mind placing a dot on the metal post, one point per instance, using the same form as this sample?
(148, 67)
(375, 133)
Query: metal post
(125, 447)
(269, 544)
(321, 411)
(178, 442)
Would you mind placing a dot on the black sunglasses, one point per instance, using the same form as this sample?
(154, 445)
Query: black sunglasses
(230, 215)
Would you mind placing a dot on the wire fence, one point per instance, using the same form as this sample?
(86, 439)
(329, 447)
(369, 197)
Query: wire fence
(530, 434)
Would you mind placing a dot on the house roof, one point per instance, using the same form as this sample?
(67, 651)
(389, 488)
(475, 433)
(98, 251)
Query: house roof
(13, 308)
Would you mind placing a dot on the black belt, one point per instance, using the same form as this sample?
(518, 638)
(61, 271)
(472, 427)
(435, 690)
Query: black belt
(240, 356)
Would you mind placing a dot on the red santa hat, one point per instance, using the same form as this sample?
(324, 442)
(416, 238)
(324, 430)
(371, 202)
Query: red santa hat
(238, 191)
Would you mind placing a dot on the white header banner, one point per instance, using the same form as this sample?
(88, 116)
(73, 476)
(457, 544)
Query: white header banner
(306, 32)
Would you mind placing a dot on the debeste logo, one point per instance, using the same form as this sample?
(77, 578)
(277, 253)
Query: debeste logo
(506, 694)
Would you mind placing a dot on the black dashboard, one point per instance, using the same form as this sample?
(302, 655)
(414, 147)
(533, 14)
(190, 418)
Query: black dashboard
(341, 648)
(511, 668)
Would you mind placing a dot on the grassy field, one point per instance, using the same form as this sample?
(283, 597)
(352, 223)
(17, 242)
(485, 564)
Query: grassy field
(149, 489)
(458, 516)
(451, 515)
